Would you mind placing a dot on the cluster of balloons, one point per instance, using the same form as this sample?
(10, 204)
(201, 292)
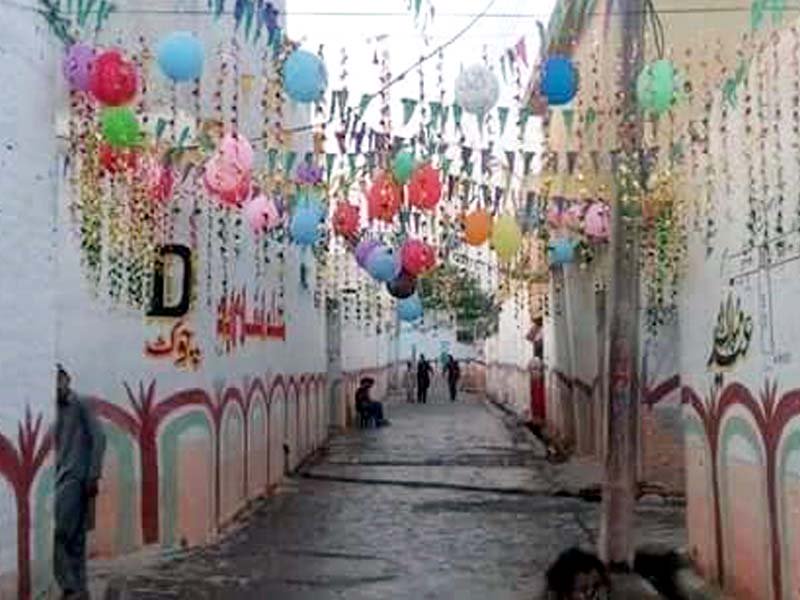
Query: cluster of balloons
(385, 194)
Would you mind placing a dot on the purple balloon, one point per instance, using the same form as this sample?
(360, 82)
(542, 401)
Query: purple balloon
(77, 66)
(364, 249)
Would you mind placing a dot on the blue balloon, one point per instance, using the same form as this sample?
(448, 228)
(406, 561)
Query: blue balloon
(304, 76)
(304, 227)
(409, 309)
(180, 56)
(562, 251)
(383, 264)
(312, 202)
(559, 81)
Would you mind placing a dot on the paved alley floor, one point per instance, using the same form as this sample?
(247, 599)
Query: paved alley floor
(450, 501)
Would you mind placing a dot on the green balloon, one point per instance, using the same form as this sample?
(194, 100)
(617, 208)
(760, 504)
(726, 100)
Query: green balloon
(506, 237)
(655, 87)
(120, 127)
(403, 166)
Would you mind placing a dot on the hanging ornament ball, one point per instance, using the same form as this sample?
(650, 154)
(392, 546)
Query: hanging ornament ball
(383, 264)
(304, 227)
(477, 89)
(425, 187)
(403, 286)
(304, 76)
(403, 166)
(384, 198)
(363, 251)
(180, 56)
(120, 127)
(559, 80)
(409, 309)
(261, 214)
(506, 237)
(117, 161)
(656, 87)
(417, 257)
(113, 79)
(346, 219)
(477, 227)
(562, 251)
(596, 223)
(77, 66)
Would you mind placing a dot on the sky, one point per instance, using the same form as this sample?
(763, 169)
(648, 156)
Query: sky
(366, 27)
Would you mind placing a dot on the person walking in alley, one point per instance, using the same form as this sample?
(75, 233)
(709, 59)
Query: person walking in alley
(424, 371)
(408, 382)
(79, 448)
(453, 372)
(368, 407)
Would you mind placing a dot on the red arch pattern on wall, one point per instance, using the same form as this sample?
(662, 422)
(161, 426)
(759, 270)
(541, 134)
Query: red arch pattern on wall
(142, 420)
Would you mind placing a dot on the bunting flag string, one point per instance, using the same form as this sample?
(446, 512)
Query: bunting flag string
(409, 106)
(502, 113)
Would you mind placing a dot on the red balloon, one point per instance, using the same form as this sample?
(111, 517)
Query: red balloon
(346, 219)
(113, 79)
(425, 187)
(115, 161)
(384, 198)
(417, 257)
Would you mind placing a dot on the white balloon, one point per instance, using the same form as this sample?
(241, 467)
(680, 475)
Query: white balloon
(477, 89)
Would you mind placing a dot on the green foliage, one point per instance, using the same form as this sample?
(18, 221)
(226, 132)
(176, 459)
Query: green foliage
(71, 19)
(452, 289)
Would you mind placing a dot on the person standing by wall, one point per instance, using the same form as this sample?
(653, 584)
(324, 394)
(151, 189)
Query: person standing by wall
(408, 382)
(423, 379)
(453, 372)
(79, 446)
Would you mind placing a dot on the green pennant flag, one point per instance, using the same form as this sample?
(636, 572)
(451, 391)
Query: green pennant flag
(436, 111)
(417, 7)
(329, 160)
(502, 113)
(362, 106)
(527, 158)
(591, 116)
(446, 164)
(568, 115)
(445, 116)
(457, 113)
(272, 160)
(351, 159)
(511, 159)
(469, 168)
(288, 161)
(409, 106)
(372, 161)
(503, 68)
(524, 115)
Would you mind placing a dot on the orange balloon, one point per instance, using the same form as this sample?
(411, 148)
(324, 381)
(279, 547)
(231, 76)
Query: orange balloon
(477, 227)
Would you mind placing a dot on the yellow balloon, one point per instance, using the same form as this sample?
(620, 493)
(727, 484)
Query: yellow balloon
(506, 237)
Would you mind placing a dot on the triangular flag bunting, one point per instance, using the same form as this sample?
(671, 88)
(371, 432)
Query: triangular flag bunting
(289, 160)
(502, 113)
(527, 159)
(409, 106)
(329, 160)
(569, 119)
(457, 113)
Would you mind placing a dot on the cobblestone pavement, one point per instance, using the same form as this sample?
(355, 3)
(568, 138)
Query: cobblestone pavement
(449, 501)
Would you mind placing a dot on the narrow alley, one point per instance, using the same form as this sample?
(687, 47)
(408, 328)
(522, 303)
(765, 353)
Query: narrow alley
(449, 501)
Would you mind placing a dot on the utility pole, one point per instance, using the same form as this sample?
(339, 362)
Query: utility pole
(621, 428)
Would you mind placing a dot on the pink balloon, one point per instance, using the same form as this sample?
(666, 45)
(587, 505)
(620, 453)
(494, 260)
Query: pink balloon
(156, 177)
(596, 223)
(223, 178)
(574, 215)
(555, 214)
(261, 214)
(235, 149)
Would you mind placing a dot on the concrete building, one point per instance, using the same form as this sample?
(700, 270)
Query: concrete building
(719, 374)
(193, 434)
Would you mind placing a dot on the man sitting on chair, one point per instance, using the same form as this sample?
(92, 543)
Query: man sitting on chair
(366, 407)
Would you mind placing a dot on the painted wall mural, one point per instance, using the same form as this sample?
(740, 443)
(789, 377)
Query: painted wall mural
(732, 334)
(180, 346)
(235, 325)
(743, 441)
(179, 467)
